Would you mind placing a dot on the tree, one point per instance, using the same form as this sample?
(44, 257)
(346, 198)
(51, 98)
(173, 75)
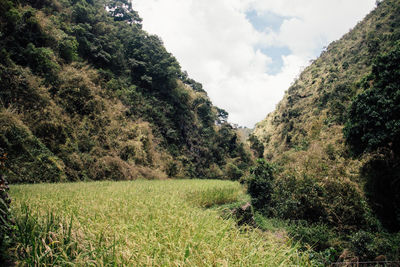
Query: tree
(256, 146)
(260, 185)
(121, 10)
(222, 116)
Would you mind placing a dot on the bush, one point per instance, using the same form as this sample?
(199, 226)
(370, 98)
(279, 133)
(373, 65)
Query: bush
(260, 185)
(318, 236)
(256, 146)
(232, 172)
(382, 191)
(68, 48)
(30, 160)
(113, 168)
(338, 203)
(75, 91)
(42, 62)
(172, 168)
(299, 199)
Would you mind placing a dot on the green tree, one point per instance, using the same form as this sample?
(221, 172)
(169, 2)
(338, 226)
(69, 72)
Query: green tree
(260, 185)
(256, 146)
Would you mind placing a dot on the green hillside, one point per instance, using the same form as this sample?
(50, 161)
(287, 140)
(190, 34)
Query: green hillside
(86, 94)
(333, 138)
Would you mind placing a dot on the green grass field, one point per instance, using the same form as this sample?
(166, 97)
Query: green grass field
(140, 223)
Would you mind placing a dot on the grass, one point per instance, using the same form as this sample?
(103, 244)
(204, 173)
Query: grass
(139, 223)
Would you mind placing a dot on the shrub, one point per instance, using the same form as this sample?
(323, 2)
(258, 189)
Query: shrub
(42, 62)
(382, 191)
(214, 172)
(299, 198)
(75, 91)
(29, 159)
(52, 134)
(338, 203)
(318, 236)
(18, 87)
(260, 185)
(113, 168)
(68, 48)
(256, 146)
(232, 172)
(172, 168)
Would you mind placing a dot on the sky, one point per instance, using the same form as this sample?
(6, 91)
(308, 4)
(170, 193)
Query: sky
(246, 53)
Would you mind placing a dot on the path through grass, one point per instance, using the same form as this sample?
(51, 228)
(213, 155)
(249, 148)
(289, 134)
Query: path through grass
(139, 223)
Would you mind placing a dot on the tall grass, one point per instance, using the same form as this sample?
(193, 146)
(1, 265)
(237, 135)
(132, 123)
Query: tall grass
(139, 223)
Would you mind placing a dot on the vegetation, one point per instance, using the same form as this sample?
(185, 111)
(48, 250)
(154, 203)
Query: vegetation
(260, 185)
(148, 223)
(373, 126)
(5, 214)
(86, 94)
(256, 146)
(334, 140)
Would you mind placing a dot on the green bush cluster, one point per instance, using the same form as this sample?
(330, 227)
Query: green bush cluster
(336, 203)
(328, 216)
(260, 185)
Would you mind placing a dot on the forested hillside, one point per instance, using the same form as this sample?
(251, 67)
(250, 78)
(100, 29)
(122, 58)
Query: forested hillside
(86, 94)
(333, 140)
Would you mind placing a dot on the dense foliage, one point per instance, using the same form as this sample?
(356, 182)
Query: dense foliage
(87, 94)
(260, 185)
(334, 138)
(256, 146)
(374, 116)
(374, 126)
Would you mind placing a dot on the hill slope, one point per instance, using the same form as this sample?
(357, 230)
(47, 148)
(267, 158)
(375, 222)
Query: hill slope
(85, 93)
(304, 135)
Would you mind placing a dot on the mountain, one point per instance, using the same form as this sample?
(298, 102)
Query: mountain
(333, 137)
(86, 94)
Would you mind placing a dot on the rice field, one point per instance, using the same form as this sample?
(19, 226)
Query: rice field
(139, 223)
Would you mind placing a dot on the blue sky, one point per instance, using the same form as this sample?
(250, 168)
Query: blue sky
(264, 22)
(246, 53)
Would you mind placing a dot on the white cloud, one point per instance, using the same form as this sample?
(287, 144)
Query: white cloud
(219, 47)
